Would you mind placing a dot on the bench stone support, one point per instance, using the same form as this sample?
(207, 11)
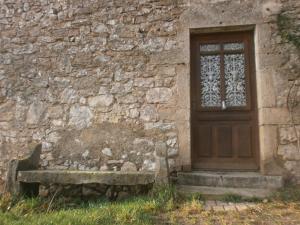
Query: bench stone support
(13, 186)
(24, 177)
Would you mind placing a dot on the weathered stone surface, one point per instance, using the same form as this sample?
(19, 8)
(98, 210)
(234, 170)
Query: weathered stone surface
(55, 112)
(35, 112)
(289, 152)
(161, 149)
(288, 134)
(5, 114)
(107, 151)
(69, 96)
(100, 28)
(80, 76)
(159, 95)
(129, 166)
(148, 165)
(80, 116)
(101, 101)
(230, 179)
(85, 177)
(149, 113)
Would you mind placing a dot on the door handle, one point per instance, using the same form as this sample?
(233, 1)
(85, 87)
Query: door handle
(223, 105)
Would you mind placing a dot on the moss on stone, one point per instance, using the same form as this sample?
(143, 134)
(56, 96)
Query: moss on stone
(288, 29)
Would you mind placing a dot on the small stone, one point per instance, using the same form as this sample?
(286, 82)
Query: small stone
(26, 6)
(172, 142)
(107, 152)
(100, 28)
(35, 112)
(115, 168)
(57, 123)
(53, 137)
(82, 100)
(101, 101)
(85, 154)
(69, 96)
(112, 22)
(103, 90)
(124, 156)
(265, 200)
(134, 113)
(148, 165)
(55, 111)
(101, 59)
(172, 152)
(149, 113)
(129, 167)
(104, 168)
(142, 141)
(81, 167)
(115, 162)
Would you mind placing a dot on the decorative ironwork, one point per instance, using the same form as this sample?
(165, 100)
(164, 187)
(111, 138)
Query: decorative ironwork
(209, 48)
(235, 83)
(233, 46)
(210, 81)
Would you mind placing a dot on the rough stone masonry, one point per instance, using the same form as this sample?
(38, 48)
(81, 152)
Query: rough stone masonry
(104, 84)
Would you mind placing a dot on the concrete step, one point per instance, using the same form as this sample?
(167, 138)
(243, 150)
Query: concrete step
(219, 191)
(229, 179)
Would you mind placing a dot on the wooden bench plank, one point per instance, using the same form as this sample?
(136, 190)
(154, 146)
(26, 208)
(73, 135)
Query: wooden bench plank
(85, 177)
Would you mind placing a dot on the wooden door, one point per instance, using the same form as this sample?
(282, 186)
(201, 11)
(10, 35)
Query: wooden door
(223, 100)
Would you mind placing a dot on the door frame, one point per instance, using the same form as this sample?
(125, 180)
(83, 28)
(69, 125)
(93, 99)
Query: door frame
(251, 83)
(199, 19)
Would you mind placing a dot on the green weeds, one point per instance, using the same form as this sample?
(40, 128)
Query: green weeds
(163, 205)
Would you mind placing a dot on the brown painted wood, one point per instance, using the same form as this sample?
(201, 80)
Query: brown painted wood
(224, 139)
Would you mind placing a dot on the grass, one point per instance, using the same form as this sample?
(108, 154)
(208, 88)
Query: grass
(162, 206)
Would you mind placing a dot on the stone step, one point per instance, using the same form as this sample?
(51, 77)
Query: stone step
(229, 179)
(219, 191)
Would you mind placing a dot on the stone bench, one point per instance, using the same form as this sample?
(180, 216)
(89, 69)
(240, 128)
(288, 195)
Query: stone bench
(24, 177)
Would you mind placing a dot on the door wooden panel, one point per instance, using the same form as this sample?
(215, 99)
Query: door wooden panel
(243, 140)
(204, 134)
(224, 141)
(223, 99)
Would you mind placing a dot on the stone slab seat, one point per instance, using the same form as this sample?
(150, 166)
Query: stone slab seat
(24, 176)
(85, 177)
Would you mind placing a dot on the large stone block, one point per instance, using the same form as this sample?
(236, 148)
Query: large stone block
(35, 112)
(101, 101)
(80, 116)
(159, 95)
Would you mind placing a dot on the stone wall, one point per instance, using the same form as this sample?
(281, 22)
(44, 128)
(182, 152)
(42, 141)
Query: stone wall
(81, 77)
(103, 83)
